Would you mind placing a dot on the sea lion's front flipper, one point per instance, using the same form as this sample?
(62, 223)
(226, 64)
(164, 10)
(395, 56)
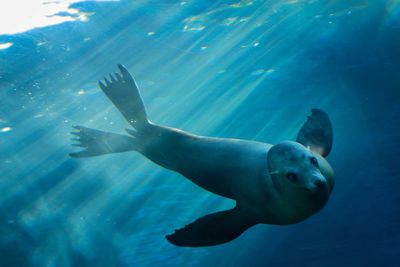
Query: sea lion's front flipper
(317, 133)
(212, 229)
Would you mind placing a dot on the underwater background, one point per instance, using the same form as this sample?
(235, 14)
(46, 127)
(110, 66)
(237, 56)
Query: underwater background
(243, 69)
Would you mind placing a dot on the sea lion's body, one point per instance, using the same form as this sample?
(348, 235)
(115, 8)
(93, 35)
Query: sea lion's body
(232, 168)
(245, 171)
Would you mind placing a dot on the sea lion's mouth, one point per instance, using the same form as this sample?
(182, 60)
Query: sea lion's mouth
(318, 184)
(320, 195)
(320, 192)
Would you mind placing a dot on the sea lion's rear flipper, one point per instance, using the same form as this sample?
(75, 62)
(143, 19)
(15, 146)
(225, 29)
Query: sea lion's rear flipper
(317, 133)
(97, 142)
(213, 229)
(123, 92)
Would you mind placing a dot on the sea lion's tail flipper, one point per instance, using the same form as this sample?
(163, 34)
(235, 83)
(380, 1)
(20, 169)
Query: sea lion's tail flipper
(213, 229)
(123, 92)
(317, 133)
(97, 142)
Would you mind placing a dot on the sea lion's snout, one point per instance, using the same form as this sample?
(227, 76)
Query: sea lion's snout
(318, 184)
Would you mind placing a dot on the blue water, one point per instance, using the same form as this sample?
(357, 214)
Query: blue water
(243, 69)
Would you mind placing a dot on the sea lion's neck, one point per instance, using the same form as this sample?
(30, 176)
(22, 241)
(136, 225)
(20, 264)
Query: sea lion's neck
(271, 205)
(263, 200)
(291, 210)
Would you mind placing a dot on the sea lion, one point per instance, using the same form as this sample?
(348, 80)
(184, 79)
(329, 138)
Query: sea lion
(276, 184)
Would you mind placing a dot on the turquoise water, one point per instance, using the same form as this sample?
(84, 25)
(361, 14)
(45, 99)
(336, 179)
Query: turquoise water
(242, 69)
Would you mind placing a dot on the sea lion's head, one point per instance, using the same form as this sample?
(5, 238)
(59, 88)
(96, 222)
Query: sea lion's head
(295, 172)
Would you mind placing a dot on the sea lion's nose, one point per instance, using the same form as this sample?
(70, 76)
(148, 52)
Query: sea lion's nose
(320, 183)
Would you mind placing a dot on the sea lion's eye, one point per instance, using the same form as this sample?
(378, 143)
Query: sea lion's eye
(291, 176)
(314, 161)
